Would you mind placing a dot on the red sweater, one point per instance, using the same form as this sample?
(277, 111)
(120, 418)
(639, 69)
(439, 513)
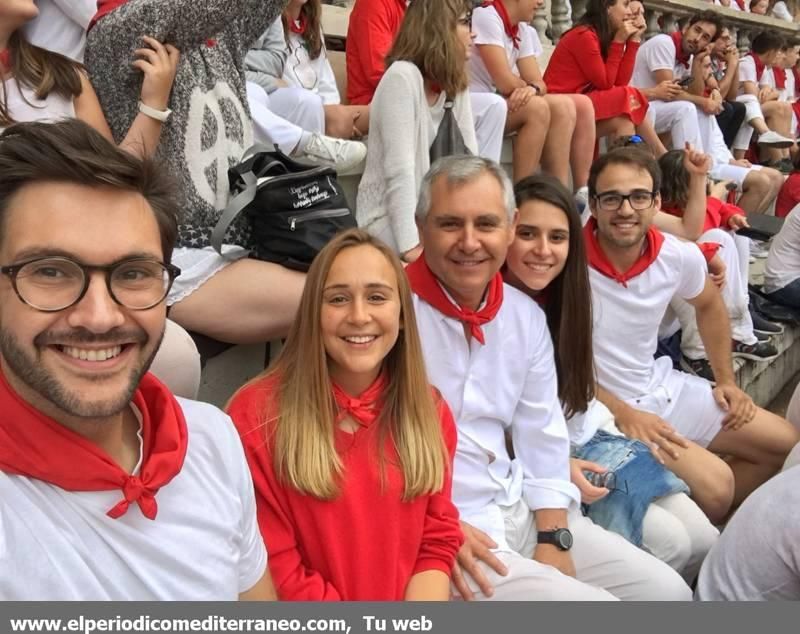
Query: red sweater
(788, 196)
(718, 213)
(576, 65)
(366, 544)
(370, 34)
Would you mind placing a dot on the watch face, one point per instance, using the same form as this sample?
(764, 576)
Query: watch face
(564, 539)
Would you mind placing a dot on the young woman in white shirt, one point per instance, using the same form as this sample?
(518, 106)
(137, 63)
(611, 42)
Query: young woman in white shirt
(307, 66)
(547, 261)
(557, 131)
(426, 71)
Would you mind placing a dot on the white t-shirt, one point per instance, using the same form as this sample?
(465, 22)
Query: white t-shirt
(61, 26)
(657, 53)
(583, 426)
(25, 106)
(488, 29)
(507, 385)
(757, 557)
(747, 72)
(204, 544)
(781, 11)
(315, 75)
(783, 260)
(626, 319)
(789, 92)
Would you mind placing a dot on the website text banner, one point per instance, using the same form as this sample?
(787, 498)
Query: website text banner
(401, 618)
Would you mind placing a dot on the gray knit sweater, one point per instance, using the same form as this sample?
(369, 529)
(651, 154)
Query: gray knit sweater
(210, 126)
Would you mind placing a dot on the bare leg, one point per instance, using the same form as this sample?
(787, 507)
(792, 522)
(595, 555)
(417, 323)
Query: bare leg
(581, 154)
(531, 123)
(759, 189)
(346, 122)
(249, 301)
(556, 153)
(648, 133)
(614, 128)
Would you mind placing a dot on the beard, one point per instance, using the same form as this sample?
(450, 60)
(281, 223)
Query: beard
(29, 370)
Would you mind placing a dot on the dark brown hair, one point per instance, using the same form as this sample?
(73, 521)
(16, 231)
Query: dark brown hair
(312, 11)
(674, 179)
(42, 71)
(712, 17)
(631, 156)
(568, 305)
(71, 151)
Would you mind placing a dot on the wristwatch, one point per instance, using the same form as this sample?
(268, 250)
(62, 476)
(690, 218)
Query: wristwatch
(561, 538)
(536, 87)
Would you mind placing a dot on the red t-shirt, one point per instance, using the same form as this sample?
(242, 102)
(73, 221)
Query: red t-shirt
(366, 544)
(370, 34)
(788, 196)
(576, 64)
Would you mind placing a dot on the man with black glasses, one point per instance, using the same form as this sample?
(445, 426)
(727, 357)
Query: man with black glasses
(635, 270)
(106, 479)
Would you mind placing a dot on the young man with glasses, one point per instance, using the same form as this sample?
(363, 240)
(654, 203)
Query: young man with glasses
(635, 271)
(105, 477)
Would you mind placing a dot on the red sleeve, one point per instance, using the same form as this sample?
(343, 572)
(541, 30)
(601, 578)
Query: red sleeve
(292, 579)
(788, 196)
(586, 54)
(728, 211)
(375, 31)
(441, 536)
(625, 71)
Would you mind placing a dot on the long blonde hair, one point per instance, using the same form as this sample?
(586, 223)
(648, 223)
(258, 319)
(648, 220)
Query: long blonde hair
(300, 426)
(40, 70)
(427, 38)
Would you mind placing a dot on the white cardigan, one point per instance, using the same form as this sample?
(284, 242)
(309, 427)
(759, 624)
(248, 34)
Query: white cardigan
(401, 130)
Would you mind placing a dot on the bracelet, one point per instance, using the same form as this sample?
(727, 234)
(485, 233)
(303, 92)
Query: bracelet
(535, 87)
(158, 115)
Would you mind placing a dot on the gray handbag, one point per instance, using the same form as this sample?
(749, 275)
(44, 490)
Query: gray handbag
(449, 141)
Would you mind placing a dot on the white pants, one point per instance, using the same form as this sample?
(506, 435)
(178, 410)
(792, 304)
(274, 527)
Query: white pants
(752, 111)
(676, 531)
(680, 119)
(270, 127)
(489, 113)
(735, 253)
(177, 363)
(602, 560)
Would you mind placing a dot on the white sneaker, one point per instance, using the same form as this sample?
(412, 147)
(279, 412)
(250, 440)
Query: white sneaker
(344, 156)
(773, 139)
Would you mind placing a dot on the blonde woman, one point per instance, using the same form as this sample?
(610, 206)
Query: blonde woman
(426, 70)
(349, 447)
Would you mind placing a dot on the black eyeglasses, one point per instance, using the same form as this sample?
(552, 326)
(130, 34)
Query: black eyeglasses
(638, 199)
(53, 283)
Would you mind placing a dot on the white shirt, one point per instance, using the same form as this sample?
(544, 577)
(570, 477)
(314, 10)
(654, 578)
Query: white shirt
(61, 26)
(488, 29)
(657, 53)
(24, 105)
(625, 320)
(747, 72)
(506, 385)
(204, 544)
(315, 75)
(783, 260)
(584, 425)
(789, 93)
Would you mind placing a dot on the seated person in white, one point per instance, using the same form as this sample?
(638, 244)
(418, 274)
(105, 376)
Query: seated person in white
(488, 350)
(307, 66)
(106, 478)
(766, 114)
(635, 271)
(61, 26)
(289, 116)
(757, 557)
(782, 271)
(557, 131)
(424, 85)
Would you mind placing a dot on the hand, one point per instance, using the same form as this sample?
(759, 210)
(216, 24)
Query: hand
(711, 106)
(740, 407)
(738, 222)
(719, 190)
(550, 555)
(698, 58)
(412, 255)
(476, 548)
(641, 26)
(356, 131)
(740, 162)
(653, 432)
(519, 97)
(698, 164)
(666, 90)
(158, 64)
(766, 94)
(716, 271)
(732, 55)
(589, 492)
(626, 30)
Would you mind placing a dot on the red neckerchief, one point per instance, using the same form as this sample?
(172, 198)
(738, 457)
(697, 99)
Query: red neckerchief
(5, 59)
(424, 283)
(35, 446)
(512, 30)
(364, 408)
(780, 77)
(760, 66)
(104, 7)
(680, 56)
(598, 260)
(741, 4)
(796, 74)
(299, 26)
